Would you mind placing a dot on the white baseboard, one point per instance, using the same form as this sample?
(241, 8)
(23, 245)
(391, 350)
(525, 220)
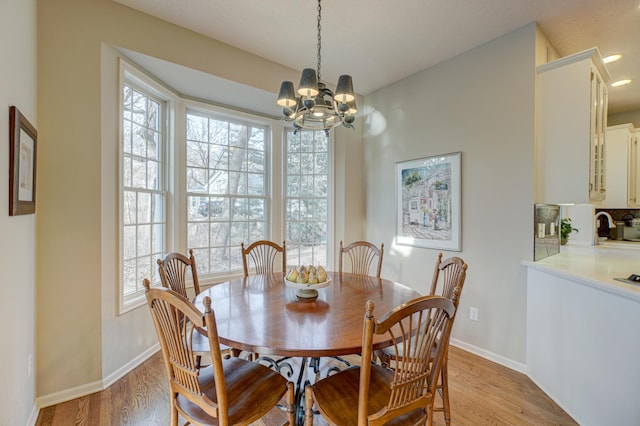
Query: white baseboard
(69, 394)
(491, 356)
(98, 385)
(122, 371)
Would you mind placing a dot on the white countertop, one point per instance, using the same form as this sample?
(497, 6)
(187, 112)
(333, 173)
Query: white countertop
(596, 266)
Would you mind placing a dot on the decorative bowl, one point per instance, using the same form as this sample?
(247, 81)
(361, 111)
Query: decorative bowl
(307, 292)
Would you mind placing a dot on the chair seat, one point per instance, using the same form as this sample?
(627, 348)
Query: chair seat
(337, 396)
(250, 388)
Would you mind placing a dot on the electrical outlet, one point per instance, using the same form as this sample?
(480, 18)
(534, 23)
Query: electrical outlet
(29, 366)
(473, 314)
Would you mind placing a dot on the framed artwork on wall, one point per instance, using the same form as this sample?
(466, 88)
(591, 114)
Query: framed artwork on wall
(23, 139)
(429, 202)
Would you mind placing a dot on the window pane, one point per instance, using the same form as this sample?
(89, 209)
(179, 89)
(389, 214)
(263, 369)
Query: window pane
(202, 260)
(256, 161)
(219, 157)
(197, 154)
(143, 236)
(139, 107)
(256, 184)
(219, 260)
(129, 208)
(142, 184)
(240, 210)
(239, 233)
(256, 209)
(153, 175)
(237, 159)
(197, 128)
(129, 242)
(293, 164)
(129, 276)
(307, 191)
(220, 183)
(196, 180)
(235, 259)
(153, 145)
(293, 210)
(220, 234)
(144, 208)
(236, 168)
(256, 231)
(237, 135)
(139, 173)
(257, 139)
(321, 163)
(198, 235)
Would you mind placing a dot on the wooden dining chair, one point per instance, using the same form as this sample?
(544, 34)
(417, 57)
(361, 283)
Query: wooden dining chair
(173, 270)
(454, 272)
(228, 392)
(262, 255)
(371, 394)
(448, 280)
(362, 255)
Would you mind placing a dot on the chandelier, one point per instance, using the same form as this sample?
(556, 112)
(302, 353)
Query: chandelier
(316, 107)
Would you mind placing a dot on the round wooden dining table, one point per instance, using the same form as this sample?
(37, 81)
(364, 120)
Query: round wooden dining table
(261, 314)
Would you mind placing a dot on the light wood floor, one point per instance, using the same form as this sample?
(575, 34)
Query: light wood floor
(482, 393)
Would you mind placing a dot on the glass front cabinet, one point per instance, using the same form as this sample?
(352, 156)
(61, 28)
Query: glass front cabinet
(571, 110)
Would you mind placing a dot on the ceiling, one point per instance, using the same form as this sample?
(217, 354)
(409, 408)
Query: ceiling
(380, 42)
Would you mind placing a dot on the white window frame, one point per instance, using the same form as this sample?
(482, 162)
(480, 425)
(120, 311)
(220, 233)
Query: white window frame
(330, 196)
(134, 77)
(216, 112)
(174, 154)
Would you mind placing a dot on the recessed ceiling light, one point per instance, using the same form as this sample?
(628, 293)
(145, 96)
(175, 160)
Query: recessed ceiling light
(620, 83)
(611, 58)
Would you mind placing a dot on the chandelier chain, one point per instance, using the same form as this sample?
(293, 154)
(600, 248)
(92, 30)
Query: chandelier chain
(319, 37)
(315, 107)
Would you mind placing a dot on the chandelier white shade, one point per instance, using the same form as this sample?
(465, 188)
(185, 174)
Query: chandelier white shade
(314, 106)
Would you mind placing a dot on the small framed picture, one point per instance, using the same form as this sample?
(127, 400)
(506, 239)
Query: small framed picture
(23, 140)
(429, 202)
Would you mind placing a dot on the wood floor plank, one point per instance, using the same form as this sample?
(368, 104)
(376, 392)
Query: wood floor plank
(481, 393)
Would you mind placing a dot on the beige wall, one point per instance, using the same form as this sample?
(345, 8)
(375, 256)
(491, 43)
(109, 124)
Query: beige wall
(82, 343)
(17, 233)
(482, 104)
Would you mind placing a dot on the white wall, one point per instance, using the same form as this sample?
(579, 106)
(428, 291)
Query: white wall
(482, 104)
(17, 233)
(588, 362)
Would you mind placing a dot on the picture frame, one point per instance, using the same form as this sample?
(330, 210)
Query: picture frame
(429, 202)
(23, 143)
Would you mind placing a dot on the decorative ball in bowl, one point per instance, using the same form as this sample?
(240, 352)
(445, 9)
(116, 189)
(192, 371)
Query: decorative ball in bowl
(306, 280)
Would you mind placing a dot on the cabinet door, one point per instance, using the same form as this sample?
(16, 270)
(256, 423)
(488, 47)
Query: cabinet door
(634, 185)
(597, 175)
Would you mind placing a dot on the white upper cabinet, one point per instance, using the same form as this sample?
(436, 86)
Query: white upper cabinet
(623, 188)
(571, 122)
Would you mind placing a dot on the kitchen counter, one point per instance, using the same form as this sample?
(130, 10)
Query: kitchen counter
(582, 328)
(596, 266)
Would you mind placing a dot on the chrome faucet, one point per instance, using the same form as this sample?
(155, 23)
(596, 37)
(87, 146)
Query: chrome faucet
(596, 239)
